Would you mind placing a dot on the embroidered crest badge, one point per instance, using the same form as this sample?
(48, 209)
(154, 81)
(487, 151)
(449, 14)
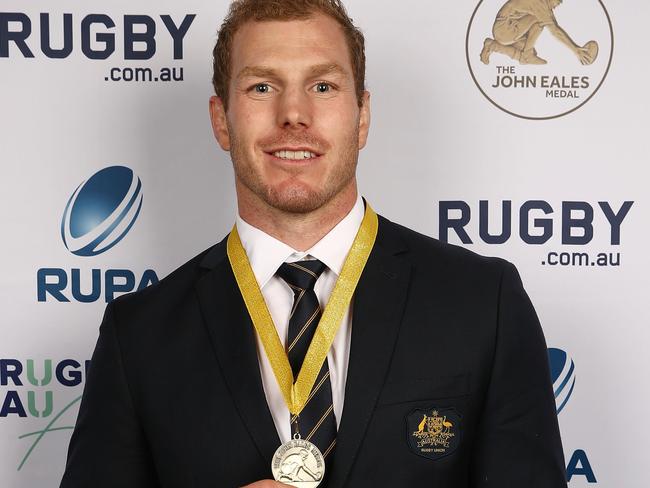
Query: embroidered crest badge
(433, 433)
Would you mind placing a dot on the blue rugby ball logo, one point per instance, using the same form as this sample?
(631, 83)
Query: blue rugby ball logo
(101, 211)
(563, 374)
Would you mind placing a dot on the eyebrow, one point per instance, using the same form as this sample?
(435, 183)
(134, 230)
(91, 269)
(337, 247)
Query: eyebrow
(314, 71)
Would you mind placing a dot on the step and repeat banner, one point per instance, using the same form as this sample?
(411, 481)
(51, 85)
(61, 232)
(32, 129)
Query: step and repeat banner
(514, 128)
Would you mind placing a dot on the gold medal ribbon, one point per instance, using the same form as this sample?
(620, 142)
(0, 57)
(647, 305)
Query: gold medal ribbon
(296, 394)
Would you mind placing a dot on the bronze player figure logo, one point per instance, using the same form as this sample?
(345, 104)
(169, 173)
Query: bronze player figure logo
(518, 26)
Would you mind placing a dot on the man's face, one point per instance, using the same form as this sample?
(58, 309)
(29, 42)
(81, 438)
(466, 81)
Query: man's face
(293, 125)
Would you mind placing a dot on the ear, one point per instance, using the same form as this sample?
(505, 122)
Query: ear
(364, 119)
(219, 124)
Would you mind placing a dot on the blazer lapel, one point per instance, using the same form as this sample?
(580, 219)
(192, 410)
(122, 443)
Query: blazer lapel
(378, 307)
(234, 344)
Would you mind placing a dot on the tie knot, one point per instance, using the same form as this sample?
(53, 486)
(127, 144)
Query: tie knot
(302, 274)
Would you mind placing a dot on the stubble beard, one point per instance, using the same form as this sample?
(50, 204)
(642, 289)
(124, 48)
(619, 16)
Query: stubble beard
(296, 197)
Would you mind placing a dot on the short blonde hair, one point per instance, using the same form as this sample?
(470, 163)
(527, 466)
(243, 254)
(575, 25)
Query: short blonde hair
(242, 11)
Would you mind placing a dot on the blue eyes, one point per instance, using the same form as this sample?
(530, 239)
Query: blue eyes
(265, 89)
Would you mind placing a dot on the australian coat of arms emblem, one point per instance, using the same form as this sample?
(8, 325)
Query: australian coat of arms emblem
(433, 433)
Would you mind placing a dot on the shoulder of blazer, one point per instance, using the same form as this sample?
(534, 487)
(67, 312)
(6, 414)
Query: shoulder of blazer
(172, 290)
(423, 251)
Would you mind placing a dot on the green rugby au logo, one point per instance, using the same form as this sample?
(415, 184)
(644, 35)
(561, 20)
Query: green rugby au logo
(40, 398)
(539, 59)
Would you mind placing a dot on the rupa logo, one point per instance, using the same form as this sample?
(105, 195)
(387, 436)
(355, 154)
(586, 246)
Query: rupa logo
(98, 215)
(101, 211)
(563, 375)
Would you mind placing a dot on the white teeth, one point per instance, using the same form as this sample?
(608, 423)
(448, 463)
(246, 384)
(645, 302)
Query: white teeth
(294, 155)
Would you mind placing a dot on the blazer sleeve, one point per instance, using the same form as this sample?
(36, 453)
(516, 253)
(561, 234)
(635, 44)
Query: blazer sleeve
(108, 447)
(518, 442)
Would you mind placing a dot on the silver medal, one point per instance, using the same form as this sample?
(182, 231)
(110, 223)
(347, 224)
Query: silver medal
(298, 463)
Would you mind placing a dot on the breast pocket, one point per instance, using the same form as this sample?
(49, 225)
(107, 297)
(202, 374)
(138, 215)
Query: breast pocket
(417, 390)
(420, 424)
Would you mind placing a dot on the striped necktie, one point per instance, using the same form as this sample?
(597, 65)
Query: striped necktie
(316, 422)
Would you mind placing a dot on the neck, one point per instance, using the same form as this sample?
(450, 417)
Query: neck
(298, 230)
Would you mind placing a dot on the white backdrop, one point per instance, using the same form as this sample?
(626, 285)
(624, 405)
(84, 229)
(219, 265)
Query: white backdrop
(435, 139)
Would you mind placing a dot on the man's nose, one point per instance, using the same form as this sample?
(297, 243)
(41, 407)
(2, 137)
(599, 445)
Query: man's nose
(294, 110)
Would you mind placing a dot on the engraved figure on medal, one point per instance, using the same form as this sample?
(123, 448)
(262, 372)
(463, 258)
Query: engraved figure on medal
(298, 463)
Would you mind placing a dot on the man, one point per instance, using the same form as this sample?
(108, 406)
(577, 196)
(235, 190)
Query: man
(519, 24)
(185, 387)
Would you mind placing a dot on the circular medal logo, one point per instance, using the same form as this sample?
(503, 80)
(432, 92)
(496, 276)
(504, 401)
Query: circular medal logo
(101, 211)
(539, 59)
(298, 463)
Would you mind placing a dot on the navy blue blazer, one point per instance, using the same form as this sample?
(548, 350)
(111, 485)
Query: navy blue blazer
(448, 382)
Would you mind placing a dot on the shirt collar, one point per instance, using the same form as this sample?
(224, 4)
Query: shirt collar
(266, 253)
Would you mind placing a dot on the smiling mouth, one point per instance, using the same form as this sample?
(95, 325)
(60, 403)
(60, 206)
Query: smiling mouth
(291, 155)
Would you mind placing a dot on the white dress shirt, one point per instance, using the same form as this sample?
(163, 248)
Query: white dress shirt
(266, 254)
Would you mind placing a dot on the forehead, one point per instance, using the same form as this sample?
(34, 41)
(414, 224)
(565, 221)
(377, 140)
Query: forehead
(290, 44)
